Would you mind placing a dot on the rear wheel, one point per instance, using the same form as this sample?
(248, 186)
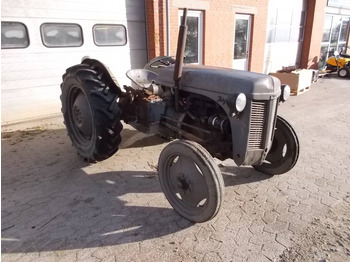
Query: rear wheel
(344, 72)
(91, 112)
(284, 152)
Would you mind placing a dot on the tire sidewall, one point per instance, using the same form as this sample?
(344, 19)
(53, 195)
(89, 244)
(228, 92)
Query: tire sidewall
(284, 165)
(346, 72)
(68, 86)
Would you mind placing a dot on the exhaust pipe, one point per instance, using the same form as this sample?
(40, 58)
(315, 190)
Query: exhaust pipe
(180, 52)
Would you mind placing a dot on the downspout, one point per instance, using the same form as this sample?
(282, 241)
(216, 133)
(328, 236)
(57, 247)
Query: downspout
(146, 30)
(167, 29)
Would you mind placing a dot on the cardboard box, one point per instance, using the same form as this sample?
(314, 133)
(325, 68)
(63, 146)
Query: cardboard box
(299, 81)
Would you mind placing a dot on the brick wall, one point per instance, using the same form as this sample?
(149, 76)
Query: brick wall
(313, 33)
(218, 23)
(156, 27)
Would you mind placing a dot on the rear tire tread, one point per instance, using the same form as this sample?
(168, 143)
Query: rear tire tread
(106, 112)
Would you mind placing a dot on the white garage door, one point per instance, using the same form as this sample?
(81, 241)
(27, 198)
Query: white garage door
(36, 49)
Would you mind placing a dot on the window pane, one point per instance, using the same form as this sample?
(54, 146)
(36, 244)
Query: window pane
(339, 3)
(282, 34)
(327, 28)
(270, 36)
(298, 18)
(191, 50)
(344, 29)
(323, 56)
(335, 29)
(109, 35)
(241, 31)
(284, 16)
(13, 35)
(61, 35)
(296, 34)
(272, 16)
(342, 48)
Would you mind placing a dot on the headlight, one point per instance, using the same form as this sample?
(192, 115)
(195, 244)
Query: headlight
(241, 102)
(285, 94)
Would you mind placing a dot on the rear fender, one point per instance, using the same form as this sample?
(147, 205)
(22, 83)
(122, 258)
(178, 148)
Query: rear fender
(104, 73)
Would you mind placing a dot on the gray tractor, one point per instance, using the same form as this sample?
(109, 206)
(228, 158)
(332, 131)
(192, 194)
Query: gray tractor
(210, 112)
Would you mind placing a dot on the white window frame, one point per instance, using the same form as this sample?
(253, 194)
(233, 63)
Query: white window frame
(199, 15)
(42, 33)
(26, 36)
(111, 26)
(243, 61)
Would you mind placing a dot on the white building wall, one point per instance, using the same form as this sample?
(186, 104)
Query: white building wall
(285, 33)
(31, 77)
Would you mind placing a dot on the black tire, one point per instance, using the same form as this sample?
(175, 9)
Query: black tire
(284, 152)
(344, 72)
(91, 113)
(191, 181)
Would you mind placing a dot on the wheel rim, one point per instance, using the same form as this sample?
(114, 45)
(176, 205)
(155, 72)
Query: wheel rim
(80, 117)
(186, 183)
(342, 73)
(191, 180)
(280, 149)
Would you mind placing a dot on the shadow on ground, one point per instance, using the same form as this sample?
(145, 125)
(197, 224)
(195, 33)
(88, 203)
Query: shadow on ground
(234, 176)
(52, 200)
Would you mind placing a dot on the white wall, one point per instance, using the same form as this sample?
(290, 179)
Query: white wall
(31, 77)
(282, 49)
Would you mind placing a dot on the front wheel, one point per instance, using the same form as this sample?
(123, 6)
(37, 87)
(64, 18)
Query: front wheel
(191, 180)
(344, 72)
(284, 152)
(91, 113)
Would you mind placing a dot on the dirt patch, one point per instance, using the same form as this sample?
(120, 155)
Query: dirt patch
(15, 137)
(328, 239)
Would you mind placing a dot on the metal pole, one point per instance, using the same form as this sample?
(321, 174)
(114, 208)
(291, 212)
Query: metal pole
(167, 29)
(180, 51)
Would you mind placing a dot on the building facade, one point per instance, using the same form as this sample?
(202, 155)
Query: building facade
(335, 35)
(41, 38)
(257, 35)
(216, 29)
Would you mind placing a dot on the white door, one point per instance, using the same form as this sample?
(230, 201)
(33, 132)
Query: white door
(241, 42)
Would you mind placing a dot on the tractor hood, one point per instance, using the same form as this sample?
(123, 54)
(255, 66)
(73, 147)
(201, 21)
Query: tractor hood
(222, 80)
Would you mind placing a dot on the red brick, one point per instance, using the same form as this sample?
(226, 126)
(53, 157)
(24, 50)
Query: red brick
(218, 33)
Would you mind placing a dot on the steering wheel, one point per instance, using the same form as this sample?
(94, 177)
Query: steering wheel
(162, 61)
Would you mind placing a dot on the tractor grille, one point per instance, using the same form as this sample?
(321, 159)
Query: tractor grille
(257, 125)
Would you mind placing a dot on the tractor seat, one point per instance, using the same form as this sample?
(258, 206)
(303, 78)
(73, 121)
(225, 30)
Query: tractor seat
(142, 77)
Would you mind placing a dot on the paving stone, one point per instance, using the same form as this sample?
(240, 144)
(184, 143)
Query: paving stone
(56, 207)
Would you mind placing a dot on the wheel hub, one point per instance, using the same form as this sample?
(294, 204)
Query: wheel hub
(183, 183)
(81, 114)
(77, 116)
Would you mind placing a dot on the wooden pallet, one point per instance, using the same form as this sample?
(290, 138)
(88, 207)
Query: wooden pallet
(322, 74)
(300, 91)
